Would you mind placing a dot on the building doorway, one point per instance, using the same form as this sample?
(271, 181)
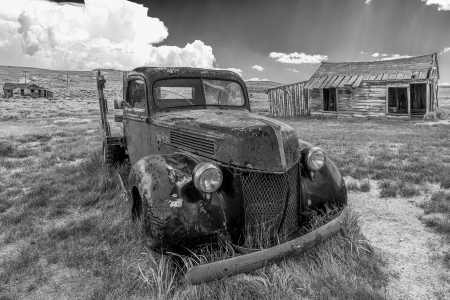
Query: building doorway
(418, 98)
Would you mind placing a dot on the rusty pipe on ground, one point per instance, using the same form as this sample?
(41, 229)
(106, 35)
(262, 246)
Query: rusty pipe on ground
(255, 260)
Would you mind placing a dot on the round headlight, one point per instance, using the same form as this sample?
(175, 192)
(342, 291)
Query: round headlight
(207, 177)
(315, 159)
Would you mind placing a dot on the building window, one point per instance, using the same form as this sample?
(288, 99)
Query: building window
(329, 99)
(397, 100)
(22, 92)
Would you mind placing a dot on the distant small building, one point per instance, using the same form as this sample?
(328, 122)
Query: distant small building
(11, 89)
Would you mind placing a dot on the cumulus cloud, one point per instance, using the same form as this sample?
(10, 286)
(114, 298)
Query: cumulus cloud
(102, 33)
(445, 50)
(235, 70)
(257, 79)
(297, 58)
(441, 4)
(386, 56)
(394, 56)
(257, 68)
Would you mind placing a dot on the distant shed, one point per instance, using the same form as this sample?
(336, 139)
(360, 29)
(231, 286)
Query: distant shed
(11, 89)
(405, 88)
(289, 100)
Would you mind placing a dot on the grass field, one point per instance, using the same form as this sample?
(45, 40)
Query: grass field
(66, 231)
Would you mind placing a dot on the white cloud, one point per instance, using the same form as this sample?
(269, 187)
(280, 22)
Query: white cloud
(102, 33)
(257, 68)
(441, 4)
(445, 50)
(235, 70)
(293, 70)
(386, 56)
(297, 58)
(257, 79)
(394, 56)
(367, 1)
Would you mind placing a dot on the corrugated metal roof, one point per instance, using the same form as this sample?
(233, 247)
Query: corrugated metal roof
(354, 73)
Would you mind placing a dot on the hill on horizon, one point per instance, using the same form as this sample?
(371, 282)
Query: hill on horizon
(260, 86)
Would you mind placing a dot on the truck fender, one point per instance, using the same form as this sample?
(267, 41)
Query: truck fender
(324, 187)
(172, 208)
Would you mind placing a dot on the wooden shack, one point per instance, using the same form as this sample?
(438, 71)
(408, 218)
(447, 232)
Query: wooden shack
(287, 101)
(404, 88)
(25, 90)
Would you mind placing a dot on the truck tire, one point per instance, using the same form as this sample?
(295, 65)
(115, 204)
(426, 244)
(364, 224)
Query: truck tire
(142, 217)
(113, 154)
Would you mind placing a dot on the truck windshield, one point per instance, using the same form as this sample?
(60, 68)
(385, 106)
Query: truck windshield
(193, 92)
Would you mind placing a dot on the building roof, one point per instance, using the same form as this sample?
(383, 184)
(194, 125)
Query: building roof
(354, 73)
(13, 85)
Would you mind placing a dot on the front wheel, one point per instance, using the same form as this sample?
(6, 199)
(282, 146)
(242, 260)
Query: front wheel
(141, 215)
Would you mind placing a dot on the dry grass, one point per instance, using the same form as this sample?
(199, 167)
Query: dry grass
(437, 212)
(401, 153)
(66, 232)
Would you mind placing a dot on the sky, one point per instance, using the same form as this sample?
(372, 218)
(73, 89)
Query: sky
(283, 41)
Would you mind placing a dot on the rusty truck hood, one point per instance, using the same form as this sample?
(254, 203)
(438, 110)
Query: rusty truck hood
(232, 136)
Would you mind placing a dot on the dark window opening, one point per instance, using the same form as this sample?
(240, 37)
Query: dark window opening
(418, 97)
(398, 100)
(329, 99)
(136, 93)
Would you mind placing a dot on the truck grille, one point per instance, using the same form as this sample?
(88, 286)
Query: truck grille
(270, 203)
(192, 142)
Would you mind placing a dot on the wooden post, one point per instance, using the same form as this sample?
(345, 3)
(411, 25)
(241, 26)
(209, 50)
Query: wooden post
(124, 84)
(408, 92)
(102, 103)
(427, 102)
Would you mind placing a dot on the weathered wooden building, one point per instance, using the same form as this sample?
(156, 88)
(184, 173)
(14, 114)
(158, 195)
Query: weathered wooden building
(404, 87)
(11, 89)
(289, 100)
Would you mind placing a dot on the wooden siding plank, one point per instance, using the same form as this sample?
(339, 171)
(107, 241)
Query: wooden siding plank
(288, 101)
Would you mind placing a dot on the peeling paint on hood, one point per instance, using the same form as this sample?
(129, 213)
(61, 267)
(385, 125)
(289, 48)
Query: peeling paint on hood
(241, 138)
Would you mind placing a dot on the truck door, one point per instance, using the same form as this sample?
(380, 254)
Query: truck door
(136, 119)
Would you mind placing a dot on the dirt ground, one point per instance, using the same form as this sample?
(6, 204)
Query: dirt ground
(393, 227)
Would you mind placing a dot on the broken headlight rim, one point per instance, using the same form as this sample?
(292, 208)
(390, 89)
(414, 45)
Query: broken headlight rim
(207, 177)
(315, 159)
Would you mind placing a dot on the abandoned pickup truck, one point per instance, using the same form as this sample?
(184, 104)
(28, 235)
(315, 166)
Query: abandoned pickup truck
(204, 167)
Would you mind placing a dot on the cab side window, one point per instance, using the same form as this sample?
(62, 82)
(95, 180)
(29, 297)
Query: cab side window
(136, 93)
